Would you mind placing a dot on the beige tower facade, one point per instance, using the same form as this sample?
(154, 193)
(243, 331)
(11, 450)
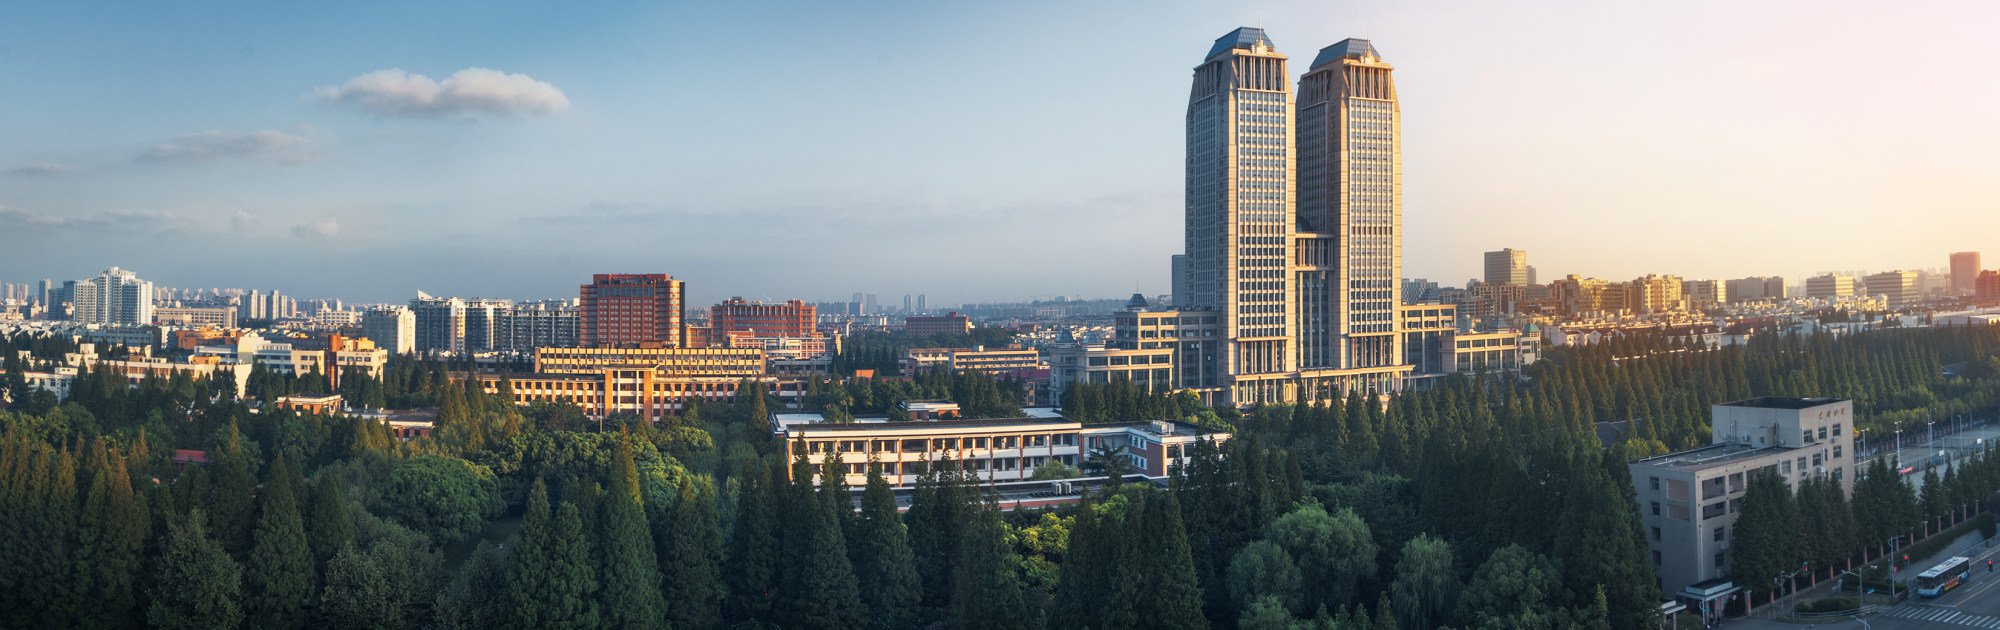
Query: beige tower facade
(1294, 219)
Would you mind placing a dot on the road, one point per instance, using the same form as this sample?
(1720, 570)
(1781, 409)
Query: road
(1974, 605)
(1917, 450)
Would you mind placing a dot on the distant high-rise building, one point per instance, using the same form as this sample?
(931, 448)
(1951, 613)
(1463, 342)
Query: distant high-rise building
(1702, 295)
(909, 303)
(1899, 287)
(1177, 278)
(393, 329)
(632, 308)
(1507, 266)
(440, 324)
(1832, 286)
(921, 308)
(1531, 274)
(116, 296)
(543, 324)
(1987, 287)
(43, 290)
(485, 330)
(1964, 272)
(1755, 289)
(792, 318)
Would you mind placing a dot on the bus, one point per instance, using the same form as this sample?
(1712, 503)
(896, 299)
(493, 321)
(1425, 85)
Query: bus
(1945, 576)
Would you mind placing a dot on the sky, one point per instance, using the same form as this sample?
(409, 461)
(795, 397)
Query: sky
(967, 151)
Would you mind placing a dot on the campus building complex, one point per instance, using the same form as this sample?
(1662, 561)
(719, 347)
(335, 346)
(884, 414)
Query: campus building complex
(990, 451)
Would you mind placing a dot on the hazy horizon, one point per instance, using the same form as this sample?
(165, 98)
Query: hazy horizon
(967, 152)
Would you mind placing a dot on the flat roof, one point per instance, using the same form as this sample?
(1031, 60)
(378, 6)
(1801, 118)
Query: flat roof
(946, 425)
(1713, 456)
(1782, 402)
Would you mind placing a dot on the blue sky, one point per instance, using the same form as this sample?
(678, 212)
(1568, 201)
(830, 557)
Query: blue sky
(969, 151)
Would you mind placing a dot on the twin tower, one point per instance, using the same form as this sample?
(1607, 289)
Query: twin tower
(1294, 220)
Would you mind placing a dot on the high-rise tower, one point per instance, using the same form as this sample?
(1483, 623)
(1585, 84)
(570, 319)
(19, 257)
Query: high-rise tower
(1294, 219)
(1239, 209)
(1351, 216)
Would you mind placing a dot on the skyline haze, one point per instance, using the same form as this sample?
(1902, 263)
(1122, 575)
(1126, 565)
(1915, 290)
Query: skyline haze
(370, 154)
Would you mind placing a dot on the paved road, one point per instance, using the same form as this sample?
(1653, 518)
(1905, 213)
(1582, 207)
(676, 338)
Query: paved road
(1975, 605)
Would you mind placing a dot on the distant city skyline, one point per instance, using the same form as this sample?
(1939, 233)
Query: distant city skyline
(367, 154)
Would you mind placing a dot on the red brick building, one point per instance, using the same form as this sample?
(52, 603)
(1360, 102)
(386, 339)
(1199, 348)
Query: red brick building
(622, 309)
(792, 318)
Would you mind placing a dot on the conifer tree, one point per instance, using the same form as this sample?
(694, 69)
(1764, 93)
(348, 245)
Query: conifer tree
(232, 489)
(690, 552)
(630, 592)
(279, 572)
(331, 523)
(195, 585)
(551, 582)
(753, 560)
(988, 592)
(882, 558)
(818, 590)
(1166, 576)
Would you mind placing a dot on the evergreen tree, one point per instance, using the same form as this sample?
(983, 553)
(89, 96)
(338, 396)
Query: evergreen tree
(195, 586)
(882, 558)
(550, 584)
(475, 599)
(332, 524)
(279, 574)
(1166, 575)
(232, 492)
(819, 590)
(690, 554)
(989, 592)
(1598, 543)
(630, 591)
(753, 559)
(1766, 537)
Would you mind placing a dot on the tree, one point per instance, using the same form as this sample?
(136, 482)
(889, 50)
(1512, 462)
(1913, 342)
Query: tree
(280, 568)
(1426, 582)
(331, 525)
(882, 558)
(1514, 588)
(690, 552)
(1166, 574)
(475, 598)
(231, 504)
(1599, 545)
(1264, 572)
(630, 591)
(444, 497)
(121, 542)
(989, 592)
(1766, 538)
(551, 583)
(195, 583)
(753, 547)
(819, 589)
(1333, 551)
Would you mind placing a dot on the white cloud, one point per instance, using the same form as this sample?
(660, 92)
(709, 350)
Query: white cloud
(241, 221)
(263, 146)
(317, 229)
(472, 90)
(45, 169)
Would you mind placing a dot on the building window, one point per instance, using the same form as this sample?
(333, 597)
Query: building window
(1822, 433)
(1721, 559)
(1836, 429)
(1719, 533)
(1836, 451)
(1656, 508)
(1656, 533)
(1655, 483)
(1656, 558)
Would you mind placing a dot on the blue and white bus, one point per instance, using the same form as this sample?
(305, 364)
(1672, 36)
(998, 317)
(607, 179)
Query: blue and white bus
(1945, 576)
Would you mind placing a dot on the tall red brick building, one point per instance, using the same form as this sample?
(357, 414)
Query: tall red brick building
(792, 318)
(622, 309)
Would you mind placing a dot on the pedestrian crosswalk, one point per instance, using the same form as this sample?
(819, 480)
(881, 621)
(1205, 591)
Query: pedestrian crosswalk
(1939, 614)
